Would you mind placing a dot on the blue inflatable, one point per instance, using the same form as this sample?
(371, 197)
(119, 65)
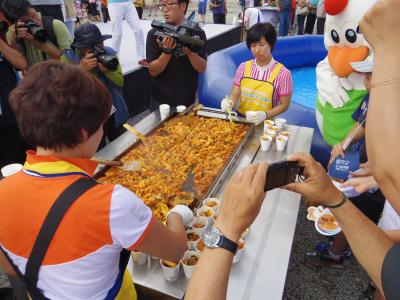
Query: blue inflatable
(294, 52)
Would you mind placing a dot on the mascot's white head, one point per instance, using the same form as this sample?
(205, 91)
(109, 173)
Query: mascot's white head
(343, 40)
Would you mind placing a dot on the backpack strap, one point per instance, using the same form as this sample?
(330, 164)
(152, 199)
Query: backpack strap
(47, 231)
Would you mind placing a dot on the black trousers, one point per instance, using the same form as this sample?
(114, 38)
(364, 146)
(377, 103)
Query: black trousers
(93, 9)
(310, 23)
(320, 25)
(300, 24)
(219, 18)
(139, 12)
(370, 204)
(13, 147)
(50, 10)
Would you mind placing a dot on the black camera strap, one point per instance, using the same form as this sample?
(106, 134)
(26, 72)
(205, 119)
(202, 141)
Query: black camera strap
(46, 234)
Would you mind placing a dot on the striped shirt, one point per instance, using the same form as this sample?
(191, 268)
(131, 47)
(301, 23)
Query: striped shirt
(283, 85)
(82, 261)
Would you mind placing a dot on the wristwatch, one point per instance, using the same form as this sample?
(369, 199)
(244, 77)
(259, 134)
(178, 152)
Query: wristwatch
(213, 238)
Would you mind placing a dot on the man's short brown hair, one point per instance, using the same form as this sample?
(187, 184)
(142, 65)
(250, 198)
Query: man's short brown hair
(55, 101)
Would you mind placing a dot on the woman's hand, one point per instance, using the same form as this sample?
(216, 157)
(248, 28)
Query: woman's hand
(364, 171)
(362, 184)
(337, 150)
(318, 187)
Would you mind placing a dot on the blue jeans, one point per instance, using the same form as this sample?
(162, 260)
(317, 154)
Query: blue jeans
(284, 23)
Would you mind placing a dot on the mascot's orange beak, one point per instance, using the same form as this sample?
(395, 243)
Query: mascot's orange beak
(340, 59)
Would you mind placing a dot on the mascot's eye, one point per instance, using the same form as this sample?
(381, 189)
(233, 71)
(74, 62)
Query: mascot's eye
(335, 36)
(351, 35)
(358, 29)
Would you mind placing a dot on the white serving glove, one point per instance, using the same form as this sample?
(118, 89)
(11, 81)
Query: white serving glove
(185, 212)
(331, 88)
(226, 104)
(256, 116)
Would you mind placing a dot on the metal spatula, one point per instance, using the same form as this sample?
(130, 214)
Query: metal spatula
(132, 166)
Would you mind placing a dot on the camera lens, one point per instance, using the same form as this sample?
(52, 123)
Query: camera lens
(36, 31)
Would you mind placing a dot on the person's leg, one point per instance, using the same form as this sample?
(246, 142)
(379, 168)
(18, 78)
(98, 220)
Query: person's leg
(300, 24)
(310, 23)
(320, 25)
(71, 27)
(132, 18)
(139, 11)
(282, 24)
(13, 146)
(288, 24)
(116, 11)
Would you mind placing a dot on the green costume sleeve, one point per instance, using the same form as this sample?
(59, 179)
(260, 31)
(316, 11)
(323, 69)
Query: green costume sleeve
(116, 76)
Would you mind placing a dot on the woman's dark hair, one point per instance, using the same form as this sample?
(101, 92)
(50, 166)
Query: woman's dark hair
(55, 101)
(259, 31)
(14, 9)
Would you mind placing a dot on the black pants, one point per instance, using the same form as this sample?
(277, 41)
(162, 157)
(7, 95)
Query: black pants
(219, 18)
(139, 12)
(13, 147)
(320, 25)
(300, 24)
(50, 10)
(310, 23)
(370, 204)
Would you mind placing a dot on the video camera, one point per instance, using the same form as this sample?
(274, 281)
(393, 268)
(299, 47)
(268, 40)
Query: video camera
(109, 61)
(186, 35)
(38, 33)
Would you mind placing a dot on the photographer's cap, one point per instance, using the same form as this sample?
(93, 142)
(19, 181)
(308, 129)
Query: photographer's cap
(88, 35)
(365, 66)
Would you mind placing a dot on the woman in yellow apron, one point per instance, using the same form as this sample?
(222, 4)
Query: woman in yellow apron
(262, 87)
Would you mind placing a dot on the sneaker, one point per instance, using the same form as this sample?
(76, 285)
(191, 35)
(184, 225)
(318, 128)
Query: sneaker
(323, 259)
(369, 293)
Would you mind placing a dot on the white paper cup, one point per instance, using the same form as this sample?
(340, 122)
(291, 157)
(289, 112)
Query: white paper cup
(280, 123)
(265, 141)
(11, 169)
(281, 142)
(272, 131)
(189, 269)
(195, 225)
(139, 258)
(199, 245)
(239, 252)
(205, 212)
(170, 273)
(164, 111)
(191, 243)
(180, 108)
(285, 134)
(212, 203)
(267, 124)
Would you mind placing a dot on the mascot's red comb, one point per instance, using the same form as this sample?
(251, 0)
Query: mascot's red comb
(335, 7)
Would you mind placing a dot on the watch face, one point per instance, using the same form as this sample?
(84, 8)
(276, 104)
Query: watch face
(211, 238)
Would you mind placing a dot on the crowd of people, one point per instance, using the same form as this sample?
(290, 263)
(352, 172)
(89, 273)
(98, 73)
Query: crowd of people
(69, 102)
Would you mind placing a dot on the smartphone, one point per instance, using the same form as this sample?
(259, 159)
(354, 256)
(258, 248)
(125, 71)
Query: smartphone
(282, 173)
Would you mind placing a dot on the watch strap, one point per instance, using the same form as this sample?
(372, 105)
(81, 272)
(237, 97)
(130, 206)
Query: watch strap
(227, 244)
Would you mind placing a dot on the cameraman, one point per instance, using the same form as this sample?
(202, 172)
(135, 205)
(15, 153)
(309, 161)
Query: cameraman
(13, 147)
(88, 42)
(174, 78)
(31, 40)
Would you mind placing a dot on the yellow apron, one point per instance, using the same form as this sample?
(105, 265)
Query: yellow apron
(127, 290)
(257, 94)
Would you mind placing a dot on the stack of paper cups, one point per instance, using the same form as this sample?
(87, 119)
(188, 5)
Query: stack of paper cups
(164, 111)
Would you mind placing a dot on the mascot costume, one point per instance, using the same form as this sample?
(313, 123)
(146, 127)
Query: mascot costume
(340, 88)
